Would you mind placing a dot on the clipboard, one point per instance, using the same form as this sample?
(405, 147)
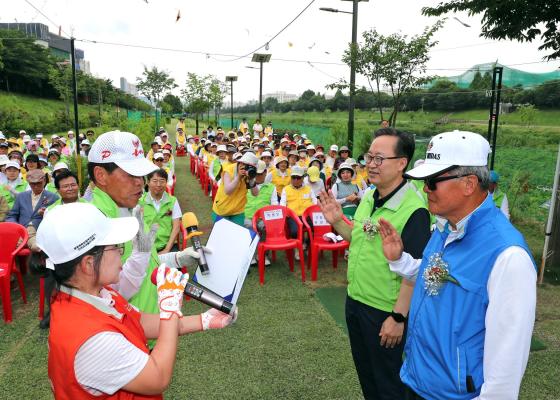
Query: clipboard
(233, 247)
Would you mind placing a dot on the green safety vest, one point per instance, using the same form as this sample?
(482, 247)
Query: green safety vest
(258, 201)
(20, 187)
(370, 281)
(161, 217)
(498, 197)
(146, 298)
(59, 203)
(51, 188)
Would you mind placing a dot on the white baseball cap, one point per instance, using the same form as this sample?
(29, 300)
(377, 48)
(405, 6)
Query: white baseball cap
(70, 133)
(158, 156)
(297, 171)
(165, 151)
(452, 149)
(334, 147)
(261, 167)
(123, 149)
(60, 165)
(85, 142)
(2, 135)
(266, 154)
(249, 158)
(4, 159)
(39, 135)
(310, 147)
(222, 147)
(63, 240)
(26, 138)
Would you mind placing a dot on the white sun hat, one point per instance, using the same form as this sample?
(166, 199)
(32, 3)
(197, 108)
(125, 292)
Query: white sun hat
(123, 149)
(63, 239)
(452, 149)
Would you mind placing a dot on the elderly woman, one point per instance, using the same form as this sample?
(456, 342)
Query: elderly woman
(346, 193)
(97, 341)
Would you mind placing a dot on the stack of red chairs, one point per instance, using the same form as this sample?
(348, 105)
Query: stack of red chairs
(13, 238)
(316, 226)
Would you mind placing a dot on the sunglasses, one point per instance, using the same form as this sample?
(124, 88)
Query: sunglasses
(431, 183)
(297, 177)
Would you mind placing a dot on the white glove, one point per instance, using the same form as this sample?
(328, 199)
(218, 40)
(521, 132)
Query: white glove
(170, 288)
(143, 241)
(184, 258)
(214, 319)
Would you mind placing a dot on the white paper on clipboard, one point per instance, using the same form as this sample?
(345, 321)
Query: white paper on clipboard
(232, 248)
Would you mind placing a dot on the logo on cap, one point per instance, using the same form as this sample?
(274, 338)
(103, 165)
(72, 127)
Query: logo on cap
(137, 151)
(105, 154)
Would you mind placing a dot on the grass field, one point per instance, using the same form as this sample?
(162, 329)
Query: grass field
(284, 344)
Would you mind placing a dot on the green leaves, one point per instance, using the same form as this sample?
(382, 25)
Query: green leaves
(154, 83)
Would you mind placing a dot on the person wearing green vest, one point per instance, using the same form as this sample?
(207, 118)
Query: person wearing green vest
(14, 183)
(58, 168)
(159, 207)
(216, 168)
(117, 166)
(378, 300)
(265, 197)
(66, 184)
(499, 197)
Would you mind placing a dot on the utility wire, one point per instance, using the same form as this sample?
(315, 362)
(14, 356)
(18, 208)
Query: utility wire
(275, 36)
(48, 19)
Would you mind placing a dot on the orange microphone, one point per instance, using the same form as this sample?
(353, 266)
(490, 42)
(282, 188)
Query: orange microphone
(190, 223)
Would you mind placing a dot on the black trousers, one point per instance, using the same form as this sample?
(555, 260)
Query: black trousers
(378, 367)
(411, 395)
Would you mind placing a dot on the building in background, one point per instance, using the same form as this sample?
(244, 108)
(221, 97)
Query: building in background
(282, 97)
(59, 46)
(128, 87)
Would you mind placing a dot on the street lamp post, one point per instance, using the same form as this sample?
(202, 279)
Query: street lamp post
(260, 58)
(231, 79)
(351, 99)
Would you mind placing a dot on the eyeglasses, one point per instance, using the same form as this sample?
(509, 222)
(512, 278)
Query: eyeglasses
(431, 183)
(378, 160)
(119, 247)
(69, 186)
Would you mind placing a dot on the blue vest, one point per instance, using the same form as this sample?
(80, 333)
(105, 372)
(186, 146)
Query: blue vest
(445, 339)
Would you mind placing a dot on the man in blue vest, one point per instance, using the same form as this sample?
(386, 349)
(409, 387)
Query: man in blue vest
(473, 307)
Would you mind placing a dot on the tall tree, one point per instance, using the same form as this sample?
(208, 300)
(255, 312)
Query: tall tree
(195, 95)
(395, 60)
(174, 102)
(519, 20)
(216, 93)
(153, 84)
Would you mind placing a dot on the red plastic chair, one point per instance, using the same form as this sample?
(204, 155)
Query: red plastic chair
(274, 218)
(10, 235)
(214, 190)
(318, 227)
(192, 164)
(180, 151)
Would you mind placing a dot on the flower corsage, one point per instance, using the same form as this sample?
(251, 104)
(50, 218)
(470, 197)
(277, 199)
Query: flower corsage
(370, 229)
(436, 274)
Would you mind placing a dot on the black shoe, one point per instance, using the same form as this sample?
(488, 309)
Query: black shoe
(45, 322)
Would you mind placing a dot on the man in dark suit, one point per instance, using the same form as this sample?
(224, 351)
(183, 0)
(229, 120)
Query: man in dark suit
(30, 206)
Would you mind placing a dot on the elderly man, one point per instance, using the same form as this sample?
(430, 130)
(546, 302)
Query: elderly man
(66, 184)
(30, 206)
(378, 299)
(473, 308)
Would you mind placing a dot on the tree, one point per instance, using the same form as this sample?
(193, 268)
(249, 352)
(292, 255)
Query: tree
(519, 20)
(527, 113)
(216, 93)
(60, 78)
(195, 95)
(174, 102)
(153, 84)
(395, 60)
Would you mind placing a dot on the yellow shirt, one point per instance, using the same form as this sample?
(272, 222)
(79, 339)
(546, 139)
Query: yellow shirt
(234, 203)
(298, 199)
(244, 127)
(280, 182)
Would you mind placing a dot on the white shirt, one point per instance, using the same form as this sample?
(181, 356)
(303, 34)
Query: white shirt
(175, 214)
(509, 320)
(505, 205)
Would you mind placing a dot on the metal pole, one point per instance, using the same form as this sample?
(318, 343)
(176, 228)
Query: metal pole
(499, 70)
(491, 113)
(76, 124)
(549, 223)
(260, 94)
(351, 101)
(231, 92)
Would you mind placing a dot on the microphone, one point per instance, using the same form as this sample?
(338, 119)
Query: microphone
(191, 225)
(202, 294)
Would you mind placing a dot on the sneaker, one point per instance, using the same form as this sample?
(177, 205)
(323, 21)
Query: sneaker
(266, 261)
(297, 256)
(346, 254)
(45, 322)
(254, 261)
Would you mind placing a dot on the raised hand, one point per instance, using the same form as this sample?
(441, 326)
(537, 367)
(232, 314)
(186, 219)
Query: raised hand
(170, 288)
(330, 207)
(391, 240)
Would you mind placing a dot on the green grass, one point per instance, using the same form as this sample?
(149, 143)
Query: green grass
(284, 344)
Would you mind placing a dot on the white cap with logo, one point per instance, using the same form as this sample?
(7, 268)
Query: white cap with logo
(452, 149)
(63, 240)
(60, 165)
(123, 149)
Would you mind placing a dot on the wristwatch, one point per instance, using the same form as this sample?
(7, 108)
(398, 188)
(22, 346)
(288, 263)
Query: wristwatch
(398, 317)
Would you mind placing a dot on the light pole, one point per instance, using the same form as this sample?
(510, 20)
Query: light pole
(351, 100)
(231, 79)
(261, 58)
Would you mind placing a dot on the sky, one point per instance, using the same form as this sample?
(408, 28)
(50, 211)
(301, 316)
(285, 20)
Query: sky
(236, 28)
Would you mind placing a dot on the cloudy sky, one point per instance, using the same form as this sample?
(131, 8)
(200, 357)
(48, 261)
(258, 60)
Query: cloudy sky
(223, 30)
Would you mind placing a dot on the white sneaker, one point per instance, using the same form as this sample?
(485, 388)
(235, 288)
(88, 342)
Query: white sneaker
(254, 261)
(297, 255)
(266, 261)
